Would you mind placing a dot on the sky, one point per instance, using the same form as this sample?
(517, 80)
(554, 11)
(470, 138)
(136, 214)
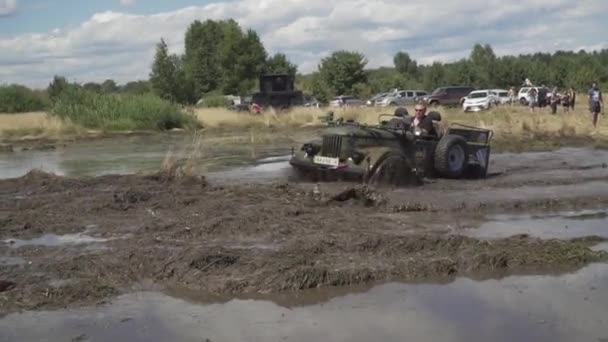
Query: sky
(95, 40)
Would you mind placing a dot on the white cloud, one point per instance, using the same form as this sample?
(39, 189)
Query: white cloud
(8, 7)
(121, 45)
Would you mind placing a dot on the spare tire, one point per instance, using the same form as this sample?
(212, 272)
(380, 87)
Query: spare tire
(451, 158)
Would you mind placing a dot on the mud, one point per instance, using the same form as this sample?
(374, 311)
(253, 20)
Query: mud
(569, 307)
(174, 230)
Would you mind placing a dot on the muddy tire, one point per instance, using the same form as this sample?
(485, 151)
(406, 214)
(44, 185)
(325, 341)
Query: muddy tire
(392, 169)
(451, 157)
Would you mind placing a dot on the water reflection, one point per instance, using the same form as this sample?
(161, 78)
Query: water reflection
(534, 308)
(561, 225)
(134, 154)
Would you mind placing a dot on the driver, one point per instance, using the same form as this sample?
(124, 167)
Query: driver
(422, 124)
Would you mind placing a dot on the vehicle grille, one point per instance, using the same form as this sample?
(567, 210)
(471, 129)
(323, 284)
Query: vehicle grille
(332, 145)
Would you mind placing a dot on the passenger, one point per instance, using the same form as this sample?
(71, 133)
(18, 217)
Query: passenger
(422, 123)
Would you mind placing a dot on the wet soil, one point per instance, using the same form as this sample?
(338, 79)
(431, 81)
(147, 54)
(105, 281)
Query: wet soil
(123, 233)
(568, 307)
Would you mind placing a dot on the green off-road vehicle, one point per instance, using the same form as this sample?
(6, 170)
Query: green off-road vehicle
(390, 153)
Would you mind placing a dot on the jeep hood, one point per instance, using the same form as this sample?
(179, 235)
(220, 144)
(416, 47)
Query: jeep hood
(359, 132)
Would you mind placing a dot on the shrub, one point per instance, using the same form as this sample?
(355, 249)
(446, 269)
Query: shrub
(113, 112)
(20, 99)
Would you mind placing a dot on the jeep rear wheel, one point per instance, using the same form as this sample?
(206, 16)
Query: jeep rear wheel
(392, 168)
(451, 157)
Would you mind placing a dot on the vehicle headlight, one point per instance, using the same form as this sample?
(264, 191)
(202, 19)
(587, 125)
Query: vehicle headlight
(311, 149)
(358, 157)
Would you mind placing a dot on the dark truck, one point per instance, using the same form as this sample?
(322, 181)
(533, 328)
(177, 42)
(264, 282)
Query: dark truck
(448, 96)
(278, 91)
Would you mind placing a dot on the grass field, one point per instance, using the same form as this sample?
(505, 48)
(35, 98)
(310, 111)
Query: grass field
(511, 125)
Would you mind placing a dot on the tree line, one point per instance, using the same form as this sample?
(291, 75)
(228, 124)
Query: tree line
(222, 58)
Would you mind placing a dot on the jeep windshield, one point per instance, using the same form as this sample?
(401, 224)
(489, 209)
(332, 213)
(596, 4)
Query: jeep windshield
(438, 91)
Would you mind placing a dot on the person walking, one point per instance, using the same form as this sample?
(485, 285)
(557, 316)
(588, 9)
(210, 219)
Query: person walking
(596, 102)
(572, 94)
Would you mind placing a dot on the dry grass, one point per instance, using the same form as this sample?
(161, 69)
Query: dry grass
(35, 125)
(222, 126)
(506, 121)
(220, 118)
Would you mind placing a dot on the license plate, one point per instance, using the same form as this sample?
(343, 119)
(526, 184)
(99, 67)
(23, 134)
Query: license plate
(328, 161)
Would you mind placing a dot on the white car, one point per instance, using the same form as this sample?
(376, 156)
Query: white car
(524, 96)
(501, 96)
(479, 100)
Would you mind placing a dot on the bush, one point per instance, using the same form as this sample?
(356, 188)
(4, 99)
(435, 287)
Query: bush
(213, 101)
(114, 112)
(20, 99)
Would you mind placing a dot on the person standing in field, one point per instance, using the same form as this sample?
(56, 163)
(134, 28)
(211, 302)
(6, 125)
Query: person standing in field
(532, 99)
(572, 97)
(511, 95)
(596, 102)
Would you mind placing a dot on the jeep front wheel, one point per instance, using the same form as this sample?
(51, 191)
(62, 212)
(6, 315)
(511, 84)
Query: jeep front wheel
(451, 157)
(392, 168)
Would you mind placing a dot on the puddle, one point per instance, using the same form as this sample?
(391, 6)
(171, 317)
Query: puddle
(511, 309)
(562, 225)
(53, 240)
(124, 155)
(11, 261)
(600, 247)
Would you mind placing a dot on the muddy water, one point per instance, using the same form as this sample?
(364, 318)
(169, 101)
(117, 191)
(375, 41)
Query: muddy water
(122, 155)
(511, 309)
(560, 225)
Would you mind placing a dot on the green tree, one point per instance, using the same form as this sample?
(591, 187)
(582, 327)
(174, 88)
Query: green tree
(57, 86)
(279, 64)
(201, 56)
(342, 70)
(405, 64)
(434, 76)
(137, 87)
(93, 87)
(484, 61)
(164, 74)
(109, 86)
(251, 61)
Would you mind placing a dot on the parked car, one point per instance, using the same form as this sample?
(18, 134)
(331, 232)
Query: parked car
(401, 98)
(543, 96)
(372, 101)
(346, 101)
(452, 95)
(501, 95)
(479, 100)
(311, 101)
